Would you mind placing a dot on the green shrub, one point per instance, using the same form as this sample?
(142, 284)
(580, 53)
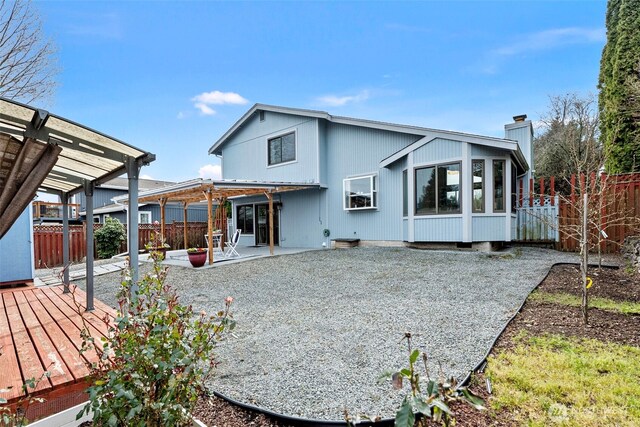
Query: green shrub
(109, 237)
(427, 396)
(157, 359)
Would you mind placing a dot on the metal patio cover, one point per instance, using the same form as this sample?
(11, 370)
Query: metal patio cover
(42, 151)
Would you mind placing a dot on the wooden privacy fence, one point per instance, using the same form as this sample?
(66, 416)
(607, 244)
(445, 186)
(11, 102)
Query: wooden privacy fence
(614, 211)
(47, 240)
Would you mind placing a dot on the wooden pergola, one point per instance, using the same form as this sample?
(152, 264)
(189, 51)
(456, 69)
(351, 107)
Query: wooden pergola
(200, 190)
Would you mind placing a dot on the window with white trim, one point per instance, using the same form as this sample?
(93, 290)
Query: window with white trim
(282, 149)
(360, 193)
(144, 217)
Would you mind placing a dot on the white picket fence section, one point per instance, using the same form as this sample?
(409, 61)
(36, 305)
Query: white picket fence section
(538, 223)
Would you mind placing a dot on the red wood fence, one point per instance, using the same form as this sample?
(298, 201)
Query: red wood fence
(614, 208)
(47, 240)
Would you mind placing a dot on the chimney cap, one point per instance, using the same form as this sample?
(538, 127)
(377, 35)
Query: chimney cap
(520, 118)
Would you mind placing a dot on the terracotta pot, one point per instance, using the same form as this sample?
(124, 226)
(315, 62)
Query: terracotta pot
(197, 259)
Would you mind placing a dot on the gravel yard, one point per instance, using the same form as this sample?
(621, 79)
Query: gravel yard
(316, 329)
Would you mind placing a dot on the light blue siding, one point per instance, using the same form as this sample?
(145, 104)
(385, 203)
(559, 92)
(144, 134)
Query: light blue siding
(488, 228)
(322, 150)
(483, 151)
(245, 154)
(353, 151)
(101, 197)
(437, 150)
(522, 134)
(433, 229)
(405, 230)
(16, 250)
(172, 213)
(302, 219)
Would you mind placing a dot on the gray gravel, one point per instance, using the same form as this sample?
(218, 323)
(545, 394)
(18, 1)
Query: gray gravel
(316, 329)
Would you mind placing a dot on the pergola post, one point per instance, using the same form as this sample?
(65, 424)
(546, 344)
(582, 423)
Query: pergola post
(88, 193)
(65, 241)
(133, 167)
(163, 203)
(184, 226)
(209, 224)
(270, 198)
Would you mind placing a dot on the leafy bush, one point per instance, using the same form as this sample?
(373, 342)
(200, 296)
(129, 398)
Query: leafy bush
(109, 237)
(157, 359)
(430, 399)
(17, 417)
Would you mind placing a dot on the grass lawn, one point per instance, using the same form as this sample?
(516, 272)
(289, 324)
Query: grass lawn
(555, 380)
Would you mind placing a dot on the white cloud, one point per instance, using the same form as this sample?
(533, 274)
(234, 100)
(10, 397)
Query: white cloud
(145, 176)
(204, 109)
(204, 101)
(210, 172)
(550, 39)
(339, 101)
(182, 115)
(219, 98)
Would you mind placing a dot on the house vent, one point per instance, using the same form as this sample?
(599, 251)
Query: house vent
(261, 114)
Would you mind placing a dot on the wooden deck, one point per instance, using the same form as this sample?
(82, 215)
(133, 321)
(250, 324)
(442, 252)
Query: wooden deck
(39, 332)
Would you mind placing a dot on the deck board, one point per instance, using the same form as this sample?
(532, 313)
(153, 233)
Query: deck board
(28, 359)
(70, 356)
(50, 359)
(42, 325)
(10, 375)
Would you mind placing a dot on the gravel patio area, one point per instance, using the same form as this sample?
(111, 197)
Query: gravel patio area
(317, 329)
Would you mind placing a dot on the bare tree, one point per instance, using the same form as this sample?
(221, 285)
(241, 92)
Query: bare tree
(569, 142)
(28, 64)
(597, 205)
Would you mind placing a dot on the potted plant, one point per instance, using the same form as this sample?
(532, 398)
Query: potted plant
(197, 256)
(158, 244)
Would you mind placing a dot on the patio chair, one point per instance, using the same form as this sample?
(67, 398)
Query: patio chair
(230, 247)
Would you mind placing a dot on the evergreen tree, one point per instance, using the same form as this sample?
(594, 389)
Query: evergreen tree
(619, 102)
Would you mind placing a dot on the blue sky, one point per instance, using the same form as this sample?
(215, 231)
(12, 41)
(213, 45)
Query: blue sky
(171, 77)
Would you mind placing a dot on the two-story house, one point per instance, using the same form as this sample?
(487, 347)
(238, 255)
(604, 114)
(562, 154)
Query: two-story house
(374, 181)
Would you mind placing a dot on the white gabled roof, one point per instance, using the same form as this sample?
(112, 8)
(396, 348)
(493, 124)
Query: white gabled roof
(409, 129)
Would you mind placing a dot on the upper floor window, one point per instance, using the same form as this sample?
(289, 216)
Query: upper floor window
(282, 149)
(478, 186)
(498, 186)
(360, 193)
(438, 189)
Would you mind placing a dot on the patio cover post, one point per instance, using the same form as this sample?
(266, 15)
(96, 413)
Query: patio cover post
(65, 241)
(88, 193)
(163, 203)
(209, 224)
(270, 198)
(133, 171)
(184, 224)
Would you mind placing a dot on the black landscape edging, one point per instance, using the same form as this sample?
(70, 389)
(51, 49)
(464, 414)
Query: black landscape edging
(466, 379)
(308, 422)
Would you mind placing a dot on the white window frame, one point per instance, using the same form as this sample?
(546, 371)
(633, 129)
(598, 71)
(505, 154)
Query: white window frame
(141, 213)
(97, 217)
(278, 135)
(373, 193)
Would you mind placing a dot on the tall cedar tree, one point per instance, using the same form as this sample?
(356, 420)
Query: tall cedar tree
(619, 100)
